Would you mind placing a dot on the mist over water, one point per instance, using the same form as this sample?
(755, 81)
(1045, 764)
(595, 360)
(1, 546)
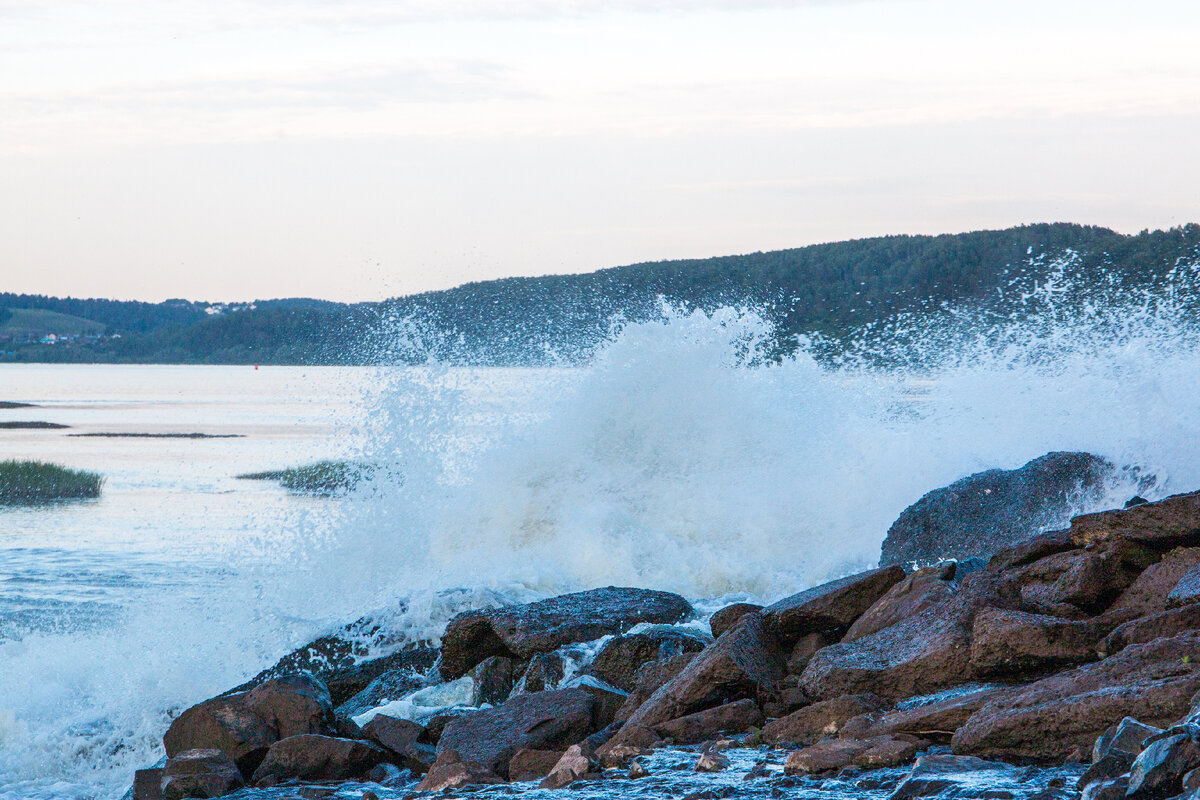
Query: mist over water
(685, 456)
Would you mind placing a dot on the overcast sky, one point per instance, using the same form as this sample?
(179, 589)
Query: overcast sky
(352, 150)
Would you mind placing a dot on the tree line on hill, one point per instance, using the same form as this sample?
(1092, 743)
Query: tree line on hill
(831, 290)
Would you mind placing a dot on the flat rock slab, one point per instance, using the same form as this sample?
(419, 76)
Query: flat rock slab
(523, 631)
(539, 721)
(200, 773)
(1173, 521)
(937, 720)
(736, 717)
(826, 718)
(955, 776)
(1151, 592)
(912, 595)
(830, 606)
(1007, 642)
(1049, 719)
(1145, 629)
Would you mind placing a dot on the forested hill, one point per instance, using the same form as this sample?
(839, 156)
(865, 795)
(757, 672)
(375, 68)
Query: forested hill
(830, 289)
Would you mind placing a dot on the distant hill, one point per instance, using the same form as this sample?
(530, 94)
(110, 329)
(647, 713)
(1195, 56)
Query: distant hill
(832, 289)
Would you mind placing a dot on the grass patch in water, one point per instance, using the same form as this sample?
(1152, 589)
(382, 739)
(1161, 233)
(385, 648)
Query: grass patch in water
(35, 425)
(7, 404)
(25, 482)
(323, 477)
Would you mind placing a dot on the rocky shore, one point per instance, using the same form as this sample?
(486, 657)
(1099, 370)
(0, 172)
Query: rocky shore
(1066, 665)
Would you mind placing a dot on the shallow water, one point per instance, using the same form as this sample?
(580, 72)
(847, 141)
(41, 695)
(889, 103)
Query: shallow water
(679, 459)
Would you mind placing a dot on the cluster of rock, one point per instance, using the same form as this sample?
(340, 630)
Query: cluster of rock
(1076, 645)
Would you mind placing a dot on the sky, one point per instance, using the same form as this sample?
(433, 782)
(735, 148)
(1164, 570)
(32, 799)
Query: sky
(361, 149)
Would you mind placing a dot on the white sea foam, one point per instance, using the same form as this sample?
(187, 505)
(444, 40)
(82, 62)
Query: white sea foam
(683, 457)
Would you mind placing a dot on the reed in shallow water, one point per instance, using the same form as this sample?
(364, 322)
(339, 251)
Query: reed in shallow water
(37, 482)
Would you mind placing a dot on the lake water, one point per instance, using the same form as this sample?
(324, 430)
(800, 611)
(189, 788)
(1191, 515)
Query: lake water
(674, 460)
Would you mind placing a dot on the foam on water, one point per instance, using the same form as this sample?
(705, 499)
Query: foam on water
(683, 457)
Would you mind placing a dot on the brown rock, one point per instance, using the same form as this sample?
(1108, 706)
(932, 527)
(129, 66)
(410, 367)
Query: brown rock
(543, 672)
(1048, 719)
(915, 593)
(147, 784)
(824, 756)
(1187, 590)
(1031, 550)
(620, 658)
(1166, 523)
(608, 699)
(831, 606)
(1079, 583)
(314, 757)
(575, 763)
(523, 631)
(724, 619)
(887, 751)
(538, 721)
(1145, 629)
(741, 663)
(937, 720)
(400, 737)
(735, 717)
(821, 719)
(244, 725)
(532, 765)
(1148, 594)
(451, 772)
(1005, 642)
(806, 647)
(494, 678)
(649, 679)
(200, 773)
(711, 761)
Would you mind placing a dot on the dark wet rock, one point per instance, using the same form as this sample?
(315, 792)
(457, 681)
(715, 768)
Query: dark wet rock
(949, 775)
(315, 757)
(244, 725)
(200, 773)
(988, 511)
(608, 699)
(1106, 790)
(494, 678)
(1145, 629)
(543, 672)
(736, 717)
(387, 687)
(1149, 593)
(1031, 550)
(1191, 780)
(824, 756)
(1152, 682)
(1187, 590)
(438, 722)
(936, 720)
(532, 765)
(649, 679)
(1158, 771)
(711, 761)
(1127, 736)
(724, 619)
(1007, 642)
(832, 606)
(525, 630)
(916, 592)
(1167, 523)
(450, 771)
(620, 658)
(539, 721)
(343, 661)
(402, 738)
(805, 648)
(147, 784)
(743, 662)
(1112, 764)
(821, 719)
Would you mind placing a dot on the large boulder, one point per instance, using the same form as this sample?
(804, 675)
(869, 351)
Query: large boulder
(1145, 629)
(1151, 592)
(314, 757)
(724, 619)
(743, 662)
(832, 606)
(988, 511)
(551, 720)
(523, 631)
(1167, 523)
(1049, 719)
(736, 717)
(620, 658)
(199, 773)
(916, 592)
(1008, 642)
(382, 690)
(245, 724)
(404, 740)
(1081, 582)
(935, 720)
(649, 679)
